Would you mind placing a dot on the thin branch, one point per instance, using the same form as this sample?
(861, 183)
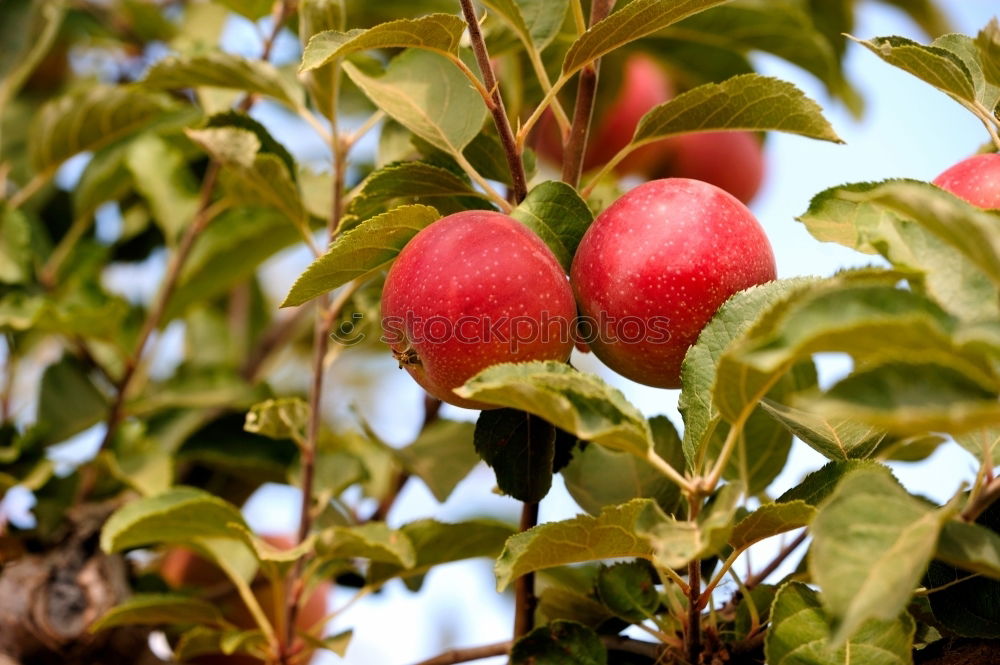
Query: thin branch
(978, 505)
(578, 18)
(692, 637)
(583, 110)
(205, 214)
(664, 467)
(453, 656)
(758, 578)
(511, 151)
(525, 600)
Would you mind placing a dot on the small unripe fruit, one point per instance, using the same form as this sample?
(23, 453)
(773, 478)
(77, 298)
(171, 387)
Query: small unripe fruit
(472, 290)
(976, 179)
(653, 268)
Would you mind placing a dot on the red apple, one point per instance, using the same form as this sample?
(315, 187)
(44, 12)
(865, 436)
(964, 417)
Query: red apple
(472, 290)
(653, 268)
(976, 179)
(182, 568)
(644, 85)
(733, 161)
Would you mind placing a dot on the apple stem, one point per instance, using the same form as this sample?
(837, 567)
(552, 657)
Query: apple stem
(500, 119)
(524, 588)
(583, 110)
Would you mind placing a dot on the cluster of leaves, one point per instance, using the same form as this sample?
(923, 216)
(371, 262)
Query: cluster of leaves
(180, 168)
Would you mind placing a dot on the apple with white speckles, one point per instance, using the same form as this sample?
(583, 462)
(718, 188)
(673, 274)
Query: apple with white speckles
(655, 266)
(471, 290)
(976, 179)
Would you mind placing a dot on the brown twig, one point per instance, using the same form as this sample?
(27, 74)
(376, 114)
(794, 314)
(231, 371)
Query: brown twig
(155, 317)
(514, 162)
(612, 642)
(583, 110)
(524, 587)
(692, 638)
(758, 578)
(977, 506)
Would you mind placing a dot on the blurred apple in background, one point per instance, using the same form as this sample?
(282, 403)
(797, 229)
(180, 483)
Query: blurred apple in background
(181, 568)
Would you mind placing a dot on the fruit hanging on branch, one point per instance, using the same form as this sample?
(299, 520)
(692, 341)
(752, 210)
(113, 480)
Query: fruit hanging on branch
(656, 265)
(471, 290)
(976, 179)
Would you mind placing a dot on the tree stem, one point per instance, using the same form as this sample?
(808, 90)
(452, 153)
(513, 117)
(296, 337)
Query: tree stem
(524, 588)
(500, 119)
(978, 505)
(693, 634)
(757, 578)
(583, 110)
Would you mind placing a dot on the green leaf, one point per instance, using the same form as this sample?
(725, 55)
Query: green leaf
(16, 261)
(370, 247)
(177, 516)
(698, 372)
(156, 609)
(834, 438)
(413, 182)
(789, 29)
(818, 485)
(374, 541)
(965, 47)
(938, 66)
(970, 230)
(436, 543)
(258, 177)
(971, 547)
(988, 46)
(557, 214)
(283, 418)
(336, 643)
(984, 443)
(428, 95)
(251, 9)
(434, 32)
(967, 606)
(911, 399)
(89, 119)
(536, 22)
(770, 520)
(203, 641)
(559, 643)
(800, 634)
(840, 215)
(68, 401)
(614, 533)
(557, 602)
(160, 173)
(632, 21)
(441, 456)
(597, 476)
(228, 252)
(872, 323)
(578, 403)
(870, 573)
(629, 590)
(218, 69)
(520, 448)
(745, 102)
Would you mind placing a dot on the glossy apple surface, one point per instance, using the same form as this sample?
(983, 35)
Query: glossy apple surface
(976, 179)
(733, 161)
(472, 290)
(183, 569)
(655, 266)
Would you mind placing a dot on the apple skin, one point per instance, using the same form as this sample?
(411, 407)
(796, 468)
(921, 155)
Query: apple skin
(733, 161)
(644, 85)
(476, 267)
(976, 179)
(667, 253)
(182, 568)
